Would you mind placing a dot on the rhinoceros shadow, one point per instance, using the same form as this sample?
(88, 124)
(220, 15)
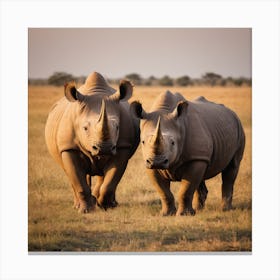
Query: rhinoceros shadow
(241, 205)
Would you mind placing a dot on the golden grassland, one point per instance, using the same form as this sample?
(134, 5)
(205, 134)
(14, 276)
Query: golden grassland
(135, 225)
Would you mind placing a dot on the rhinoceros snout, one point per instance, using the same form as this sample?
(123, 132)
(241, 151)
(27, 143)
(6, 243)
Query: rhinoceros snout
(161, 163)
(99, 150)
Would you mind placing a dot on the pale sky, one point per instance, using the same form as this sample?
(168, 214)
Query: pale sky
(115, 52)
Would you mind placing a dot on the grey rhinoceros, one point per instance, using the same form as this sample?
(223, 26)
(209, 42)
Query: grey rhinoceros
(190, 142)
(91, 132)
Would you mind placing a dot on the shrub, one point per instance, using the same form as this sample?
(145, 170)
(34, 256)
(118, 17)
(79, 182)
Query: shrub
(60, 78)
(166, 81)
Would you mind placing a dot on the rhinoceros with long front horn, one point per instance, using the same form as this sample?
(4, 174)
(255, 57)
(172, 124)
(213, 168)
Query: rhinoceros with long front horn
(91, 132)
(190, 142)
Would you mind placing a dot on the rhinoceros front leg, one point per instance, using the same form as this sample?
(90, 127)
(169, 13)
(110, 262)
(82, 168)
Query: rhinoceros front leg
(112, 176)
(76, 203)
(191, 179)
(163, 187)
(96, 188)
(76, 172)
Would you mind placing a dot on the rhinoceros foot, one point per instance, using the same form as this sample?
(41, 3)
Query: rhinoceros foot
(227, 207)
(107, 204)
(85, 206)
(185, 212)
(76, 204)
(168, 212)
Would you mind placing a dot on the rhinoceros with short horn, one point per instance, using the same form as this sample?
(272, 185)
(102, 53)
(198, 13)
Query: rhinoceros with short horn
(91, 132)
(190, 142)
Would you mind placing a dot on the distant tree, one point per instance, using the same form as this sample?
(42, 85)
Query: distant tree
(165, 81)
(197, 82)
(150, 81)
(147, 82)
(152, 78)
(229, 81)
(249, 82)
(183, 81)
(211, 78)
(238, 82)
(135, 78)
(60, 78)
(223, 82)
(242, 81)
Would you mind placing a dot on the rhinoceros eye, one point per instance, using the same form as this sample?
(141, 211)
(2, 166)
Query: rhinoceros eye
(172, 143)
(86, 126)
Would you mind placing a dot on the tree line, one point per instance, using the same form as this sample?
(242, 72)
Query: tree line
(207, 79)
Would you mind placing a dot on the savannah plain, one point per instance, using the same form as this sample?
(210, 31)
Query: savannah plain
(135, 225)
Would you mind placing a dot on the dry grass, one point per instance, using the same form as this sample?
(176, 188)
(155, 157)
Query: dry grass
(136, 224)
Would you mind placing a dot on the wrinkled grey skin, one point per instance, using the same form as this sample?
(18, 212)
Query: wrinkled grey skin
(190, 142)
(91, 132)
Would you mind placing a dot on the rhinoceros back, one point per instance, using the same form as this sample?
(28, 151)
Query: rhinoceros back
(225, 131)
(166, 102)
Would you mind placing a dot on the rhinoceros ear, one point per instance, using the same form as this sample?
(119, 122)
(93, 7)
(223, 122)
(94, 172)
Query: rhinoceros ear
(71, 92)
(180, 108)
(125, 91)
(137, 110)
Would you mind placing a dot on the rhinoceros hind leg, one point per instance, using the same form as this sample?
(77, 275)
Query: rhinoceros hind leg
(200, 196)
(113, 202)
(228, 177)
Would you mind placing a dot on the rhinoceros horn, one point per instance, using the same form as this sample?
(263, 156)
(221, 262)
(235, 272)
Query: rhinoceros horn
(157, 139)
(102, 123)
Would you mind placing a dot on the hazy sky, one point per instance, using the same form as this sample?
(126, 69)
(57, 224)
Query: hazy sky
(115, 52)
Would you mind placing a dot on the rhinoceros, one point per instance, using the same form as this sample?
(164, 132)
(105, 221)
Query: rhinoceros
(189, 142)
(91, 132)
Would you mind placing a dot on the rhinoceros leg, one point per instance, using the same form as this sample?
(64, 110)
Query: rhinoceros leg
(76, 172)
(76, 204)
(96, 191)
(112, 175)
(162, 185)
(200, 196)
(228, 177)
(88, 177)
(96, 188)
(191, 179)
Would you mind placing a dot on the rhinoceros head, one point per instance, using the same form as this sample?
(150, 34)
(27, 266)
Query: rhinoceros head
(160, 135)
(97, 118)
